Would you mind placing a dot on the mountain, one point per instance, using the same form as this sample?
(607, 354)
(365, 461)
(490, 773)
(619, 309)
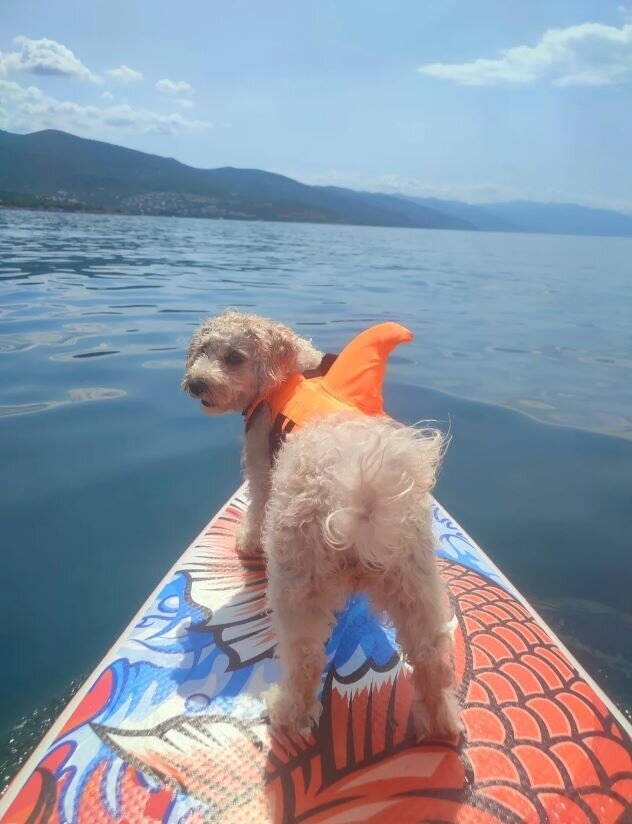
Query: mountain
(541, 218)
(53, 169)
(563, 218)
(56, 170)
(479, 215)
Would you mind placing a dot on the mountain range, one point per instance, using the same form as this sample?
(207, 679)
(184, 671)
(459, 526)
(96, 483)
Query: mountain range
(55, 170)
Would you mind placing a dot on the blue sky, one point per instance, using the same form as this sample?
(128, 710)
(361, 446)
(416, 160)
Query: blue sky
(482, 101)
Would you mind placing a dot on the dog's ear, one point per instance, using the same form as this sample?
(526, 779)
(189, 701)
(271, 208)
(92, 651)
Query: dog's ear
(196, 344)
(194, 347)
(280, 353)
(284, 348)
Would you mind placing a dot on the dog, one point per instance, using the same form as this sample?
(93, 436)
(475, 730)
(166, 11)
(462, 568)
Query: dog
(343, 506)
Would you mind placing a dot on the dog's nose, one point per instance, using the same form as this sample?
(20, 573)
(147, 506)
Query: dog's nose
(197, 386)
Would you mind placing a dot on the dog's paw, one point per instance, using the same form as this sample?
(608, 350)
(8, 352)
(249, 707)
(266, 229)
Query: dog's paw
(438, 719)
(288, 715)
(248, 541)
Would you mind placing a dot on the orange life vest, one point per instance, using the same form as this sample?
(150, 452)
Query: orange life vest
(350, 382)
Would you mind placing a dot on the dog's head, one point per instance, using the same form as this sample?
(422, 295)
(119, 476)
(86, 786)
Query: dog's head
(235, 358)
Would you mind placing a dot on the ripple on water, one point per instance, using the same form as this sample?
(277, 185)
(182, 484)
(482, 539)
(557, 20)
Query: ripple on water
(510, 350)
(96, 354)
(12, 345)
(135, 286)
(23, 343)
(80, 395)
(85, 328)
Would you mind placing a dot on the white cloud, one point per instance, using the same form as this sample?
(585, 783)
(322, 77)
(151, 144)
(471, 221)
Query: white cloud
(590, 54)
(28, 109)
(45, 57)
(12, 91)
(125, 75)
(174, 87)
(186, 104)
(107, 95)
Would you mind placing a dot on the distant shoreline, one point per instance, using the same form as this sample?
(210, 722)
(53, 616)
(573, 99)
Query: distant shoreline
(92, 210)
(86, 210)
(77, 209)
(55, 171)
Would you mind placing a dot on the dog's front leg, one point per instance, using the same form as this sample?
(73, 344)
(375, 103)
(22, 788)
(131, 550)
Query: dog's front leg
(258, 471)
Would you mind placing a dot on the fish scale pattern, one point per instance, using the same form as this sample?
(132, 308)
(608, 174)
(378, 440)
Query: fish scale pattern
(539, 740)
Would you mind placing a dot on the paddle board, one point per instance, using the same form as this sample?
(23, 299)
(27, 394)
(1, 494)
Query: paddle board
(170, 727)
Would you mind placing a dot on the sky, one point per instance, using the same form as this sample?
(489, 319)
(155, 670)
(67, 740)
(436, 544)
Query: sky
(481, 100)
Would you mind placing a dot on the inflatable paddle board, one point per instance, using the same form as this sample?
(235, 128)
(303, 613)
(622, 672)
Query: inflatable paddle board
(169, 727)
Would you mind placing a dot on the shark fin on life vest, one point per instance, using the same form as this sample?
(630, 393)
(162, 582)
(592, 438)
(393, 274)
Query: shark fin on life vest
(357, 375)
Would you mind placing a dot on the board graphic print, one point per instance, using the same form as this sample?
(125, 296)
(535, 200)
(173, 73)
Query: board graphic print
(170, 726)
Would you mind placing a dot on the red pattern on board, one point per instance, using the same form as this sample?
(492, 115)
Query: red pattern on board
(92, 704)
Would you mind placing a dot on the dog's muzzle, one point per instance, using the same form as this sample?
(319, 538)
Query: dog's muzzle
(196, 387)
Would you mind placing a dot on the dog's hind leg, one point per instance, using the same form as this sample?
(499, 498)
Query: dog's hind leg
(415, 600)
(293, 704)
(304, 605)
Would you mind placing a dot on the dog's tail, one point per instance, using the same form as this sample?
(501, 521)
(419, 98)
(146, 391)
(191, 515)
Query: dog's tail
(386, 478)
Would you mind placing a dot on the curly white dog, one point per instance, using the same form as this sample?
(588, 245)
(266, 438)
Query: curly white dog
(343, 506)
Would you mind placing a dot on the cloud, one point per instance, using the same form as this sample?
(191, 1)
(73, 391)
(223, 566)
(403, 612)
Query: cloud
(413, 186)
(186, 104)
(45, 57)
(107, 95)
(125, 75)
(473, 192)
(28, 109)
(590, 54)
(174, 87)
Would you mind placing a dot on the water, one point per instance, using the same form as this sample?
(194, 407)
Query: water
(107, 470)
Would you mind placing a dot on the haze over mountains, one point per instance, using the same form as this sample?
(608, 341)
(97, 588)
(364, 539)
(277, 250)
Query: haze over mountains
(56, 170)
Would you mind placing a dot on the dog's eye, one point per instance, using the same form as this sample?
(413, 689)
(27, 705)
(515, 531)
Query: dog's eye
(234, 358)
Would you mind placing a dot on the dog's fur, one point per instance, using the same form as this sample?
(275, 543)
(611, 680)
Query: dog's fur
(346, 506)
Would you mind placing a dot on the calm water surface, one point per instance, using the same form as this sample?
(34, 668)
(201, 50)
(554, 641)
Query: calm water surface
(107, 470)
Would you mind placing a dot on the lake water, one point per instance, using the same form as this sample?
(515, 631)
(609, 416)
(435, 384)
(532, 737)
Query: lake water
(523, 348)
